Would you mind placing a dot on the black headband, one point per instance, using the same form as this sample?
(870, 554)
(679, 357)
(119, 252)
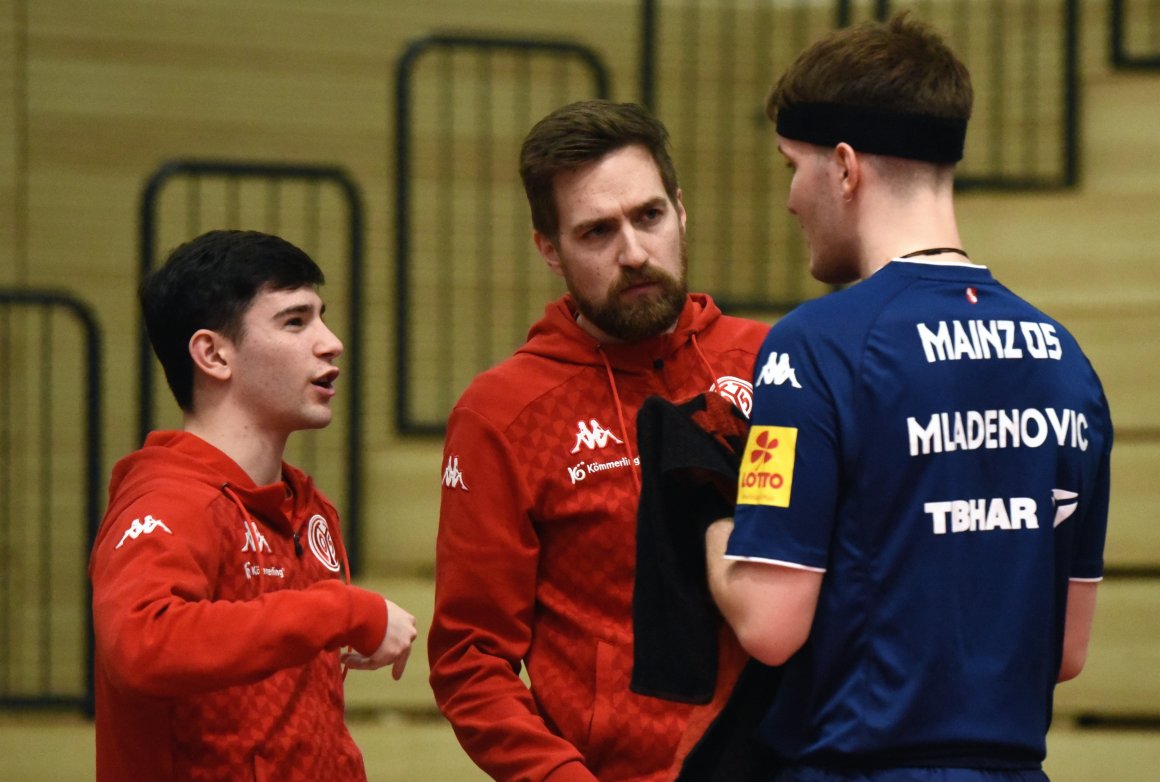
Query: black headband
(876, 131)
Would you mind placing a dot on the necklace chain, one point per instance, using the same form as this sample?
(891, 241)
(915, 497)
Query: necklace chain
(936, 251)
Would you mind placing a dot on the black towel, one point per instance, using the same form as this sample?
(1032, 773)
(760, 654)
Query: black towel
(728, 751)
(690, 456)
(689, 459)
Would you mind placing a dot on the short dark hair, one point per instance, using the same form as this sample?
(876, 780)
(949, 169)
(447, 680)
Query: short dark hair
(902, 65)
(581, 133)
(209, 283)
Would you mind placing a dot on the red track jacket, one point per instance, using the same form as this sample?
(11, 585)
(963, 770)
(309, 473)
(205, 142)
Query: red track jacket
(536, 547)
(218, 613)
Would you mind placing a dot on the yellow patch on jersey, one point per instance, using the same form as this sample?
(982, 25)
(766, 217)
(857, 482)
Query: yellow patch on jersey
(767, 466)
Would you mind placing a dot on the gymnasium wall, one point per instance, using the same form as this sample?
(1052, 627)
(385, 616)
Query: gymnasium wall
(95, 95)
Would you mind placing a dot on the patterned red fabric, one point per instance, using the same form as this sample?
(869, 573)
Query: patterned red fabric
(536, 547)
(217, 632)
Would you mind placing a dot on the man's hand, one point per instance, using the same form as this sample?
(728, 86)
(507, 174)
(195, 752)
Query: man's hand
(395, 648)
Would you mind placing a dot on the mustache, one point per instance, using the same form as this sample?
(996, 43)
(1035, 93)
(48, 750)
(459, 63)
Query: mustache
(642, 276)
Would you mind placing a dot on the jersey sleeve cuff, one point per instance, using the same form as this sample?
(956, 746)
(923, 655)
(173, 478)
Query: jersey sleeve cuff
(368, 620)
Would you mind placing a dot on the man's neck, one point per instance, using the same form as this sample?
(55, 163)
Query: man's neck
(907, 231)
(901, 206)
(258, 452)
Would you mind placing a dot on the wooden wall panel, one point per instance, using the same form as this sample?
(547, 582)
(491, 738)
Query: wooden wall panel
(117, 87)
(13, 161)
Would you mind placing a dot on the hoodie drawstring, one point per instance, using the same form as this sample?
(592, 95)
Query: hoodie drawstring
(620, 416)
(620, 407)
(346, 579)
(704, 361)
(246, 517)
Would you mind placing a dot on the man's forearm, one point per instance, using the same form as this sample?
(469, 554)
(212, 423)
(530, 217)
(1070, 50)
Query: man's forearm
(716, 566)
(769, 606)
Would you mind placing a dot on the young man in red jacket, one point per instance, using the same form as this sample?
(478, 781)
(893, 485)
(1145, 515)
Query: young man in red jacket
(217, 602)
(536, 546)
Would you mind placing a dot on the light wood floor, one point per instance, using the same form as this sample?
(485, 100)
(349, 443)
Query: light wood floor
(47, 749)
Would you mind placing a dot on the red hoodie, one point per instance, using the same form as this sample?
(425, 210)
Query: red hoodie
(536, 546)
(218, 613)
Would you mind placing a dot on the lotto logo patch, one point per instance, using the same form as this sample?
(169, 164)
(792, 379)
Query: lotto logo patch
(767, 466)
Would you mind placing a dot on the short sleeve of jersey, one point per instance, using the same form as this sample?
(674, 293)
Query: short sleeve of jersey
(1088, 559)
(790, 471)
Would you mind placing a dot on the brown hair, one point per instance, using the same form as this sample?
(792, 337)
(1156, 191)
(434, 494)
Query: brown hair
(581, 133)
(902, 65)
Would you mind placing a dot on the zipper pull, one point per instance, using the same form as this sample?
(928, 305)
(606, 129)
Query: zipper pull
(297, 545)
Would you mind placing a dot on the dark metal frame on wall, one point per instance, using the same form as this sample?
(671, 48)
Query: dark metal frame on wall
(1125, 15)
(989, 174)
(474, 348)
(705, 71)
(88, 397)
(706, 74)
(992, 172)
(274, 175)
(649, 30)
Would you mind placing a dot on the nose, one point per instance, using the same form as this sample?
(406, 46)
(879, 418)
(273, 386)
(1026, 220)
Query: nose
(632, 252)
(329, 346)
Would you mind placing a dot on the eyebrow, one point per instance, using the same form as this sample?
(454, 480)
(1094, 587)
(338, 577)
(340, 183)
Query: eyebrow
(298, 309)
(658, 201)
(653, 202)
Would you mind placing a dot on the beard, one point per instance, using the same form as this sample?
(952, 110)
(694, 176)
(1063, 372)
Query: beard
(640, 317)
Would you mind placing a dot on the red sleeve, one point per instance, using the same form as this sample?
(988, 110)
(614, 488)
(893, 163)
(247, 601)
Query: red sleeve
(160, 632)
(487, 555)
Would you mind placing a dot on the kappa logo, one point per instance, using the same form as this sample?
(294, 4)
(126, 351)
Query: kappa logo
(592, 436)
(321, 543)
(1065, 504)
(777, 370)
(737, 391)
(452, 475)
(255, 540)
(139, 528)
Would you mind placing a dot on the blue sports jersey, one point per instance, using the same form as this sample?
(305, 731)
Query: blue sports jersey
(940, 449)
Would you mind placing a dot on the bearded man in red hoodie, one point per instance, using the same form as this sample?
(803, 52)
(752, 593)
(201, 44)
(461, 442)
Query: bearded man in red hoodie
(217, 602)
(537, 532)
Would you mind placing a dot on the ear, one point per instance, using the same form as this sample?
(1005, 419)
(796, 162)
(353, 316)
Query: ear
(848, 162)
(681, 209)
(548, 250)
(211, 353)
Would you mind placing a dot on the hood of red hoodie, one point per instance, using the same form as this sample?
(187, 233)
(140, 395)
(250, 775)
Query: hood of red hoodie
(559, 337)
(184, 459)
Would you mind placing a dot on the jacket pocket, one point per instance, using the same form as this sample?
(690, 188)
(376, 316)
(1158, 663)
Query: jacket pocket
(262, 772)
(601, 731)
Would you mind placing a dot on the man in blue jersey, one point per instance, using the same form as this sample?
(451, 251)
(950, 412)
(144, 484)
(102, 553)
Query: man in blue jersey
(923, 498)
